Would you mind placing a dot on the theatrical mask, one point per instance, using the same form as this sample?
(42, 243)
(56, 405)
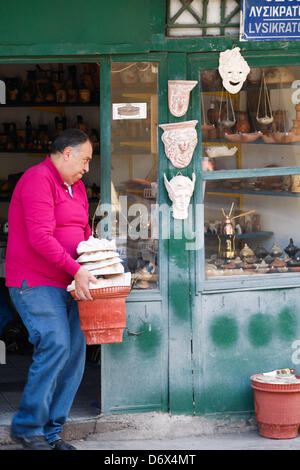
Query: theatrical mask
(180, 190)
(179, 95)
(233, 69)
(180, 140)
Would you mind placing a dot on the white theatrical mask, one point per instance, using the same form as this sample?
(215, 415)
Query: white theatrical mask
(233, 69)
(180, 190)
(180, 140)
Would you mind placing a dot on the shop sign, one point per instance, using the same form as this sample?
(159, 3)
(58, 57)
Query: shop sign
(270, 20)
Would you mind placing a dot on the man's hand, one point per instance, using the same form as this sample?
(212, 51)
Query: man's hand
(82, 279)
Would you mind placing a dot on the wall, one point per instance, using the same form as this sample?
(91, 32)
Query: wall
(236, 335)
(72, 26)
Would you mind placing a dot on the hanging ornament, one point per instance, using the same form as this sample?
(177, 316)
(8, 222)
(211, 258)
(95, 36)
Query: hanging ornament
(180, 190)
(233, 69)
(179, 95)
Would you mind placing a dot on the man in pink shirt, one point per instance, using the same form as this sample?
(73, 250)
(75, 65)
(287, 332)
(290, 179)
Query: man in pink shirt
(48, 217)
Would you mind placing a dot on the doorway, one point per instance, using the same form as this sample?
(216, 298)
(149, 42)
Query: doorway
(39, 102)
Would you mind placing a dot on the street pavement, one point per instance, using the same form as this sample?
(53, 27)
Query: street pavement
(247, 441)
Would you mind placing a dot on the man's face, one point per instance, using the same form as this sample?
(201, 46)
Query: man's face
(77, 163)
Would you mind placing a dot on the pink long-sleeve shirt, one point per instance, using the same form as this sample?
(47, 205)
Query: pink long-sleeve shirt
(45, 225)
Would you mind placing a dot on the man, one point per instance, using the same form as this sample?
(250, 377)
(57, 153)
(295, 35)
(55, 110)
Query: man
(48, 217)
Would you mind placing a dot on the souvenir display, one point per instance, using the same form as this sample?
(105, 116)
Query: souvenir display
(233, 69)
(180, 190)
(179, 95)
(180, 140)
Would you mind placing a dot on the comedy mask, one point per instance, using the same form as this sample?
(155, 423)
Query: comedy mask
(179, 95)
(180, 140)
(233, 69)
(180, 190)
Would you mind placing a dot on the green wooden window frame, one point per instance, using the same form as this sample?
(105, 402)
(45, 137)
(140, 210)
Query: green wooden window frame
(196, 63)
(161, 59)
(201, 23)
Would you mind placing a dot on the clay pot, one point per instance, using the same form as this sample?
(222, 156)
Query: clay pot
(243, 125)
(246, 252)
(291, 249)
(261, 252)
(103, 319)
(213, 114)
(277, 408)
(275, 251)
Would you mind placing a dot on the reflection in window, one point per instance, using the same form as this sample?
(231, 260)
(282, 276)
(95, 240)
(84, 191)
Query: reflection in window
(250, 228)
(134, 169)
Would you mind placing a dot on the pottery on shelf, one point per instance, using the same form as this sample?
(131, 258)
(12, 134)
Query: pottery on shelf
(291, 249)
(260, 252)
(269, 138)
(220, 151)
(251, 137)
(278, 263)
(243, 125)
(275, 251)
(212, 113)
(285, 137)
(207, 127)
(246, 252)
(295, 187)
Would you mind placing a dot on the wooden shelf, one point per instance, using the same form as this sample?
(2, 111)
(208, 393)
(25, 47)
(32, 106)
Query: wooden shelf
(253, 193)
(243, 235)
(49, 105)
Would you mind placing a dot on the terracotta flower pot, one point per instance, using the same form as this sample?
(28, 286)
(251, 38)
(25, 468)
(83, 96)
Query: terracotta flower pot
(277, 408)
(103, 319)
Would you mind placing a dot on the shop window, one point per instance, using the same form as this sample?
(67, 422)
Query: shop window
(134, 169)
(257, 127)
(265, 240)
(250, 223)
(203, 18)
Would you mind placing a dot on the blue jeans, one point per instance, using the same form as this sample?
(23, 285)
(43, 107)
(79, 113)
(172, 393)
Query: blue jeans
(51, 317)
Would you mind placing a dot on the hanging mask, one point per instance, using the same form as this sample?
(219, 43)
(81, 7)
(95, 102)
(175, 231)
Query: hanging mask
(233, 69)
(180, 190)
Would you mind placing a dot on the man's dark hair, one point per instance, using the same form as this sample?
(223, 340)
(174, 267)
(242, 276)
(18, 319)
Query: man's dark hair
(69, 138)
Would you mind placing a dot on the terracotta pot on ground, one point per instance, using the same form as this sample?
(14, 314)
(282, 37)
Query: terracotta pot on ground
(103, 319)
(277, 408)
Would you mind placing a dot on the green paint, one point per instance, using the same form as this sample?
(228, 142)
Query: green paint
(178, 253)
(287, 324)
(148, 340)
(260, 329)
(179, 298)
(224, 331)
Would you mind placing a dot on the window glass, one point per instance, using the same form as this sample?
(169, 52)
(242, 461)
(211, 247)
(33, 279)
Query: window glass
(134, 168)
(203, 18)
(255, 128)
(263, 241)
